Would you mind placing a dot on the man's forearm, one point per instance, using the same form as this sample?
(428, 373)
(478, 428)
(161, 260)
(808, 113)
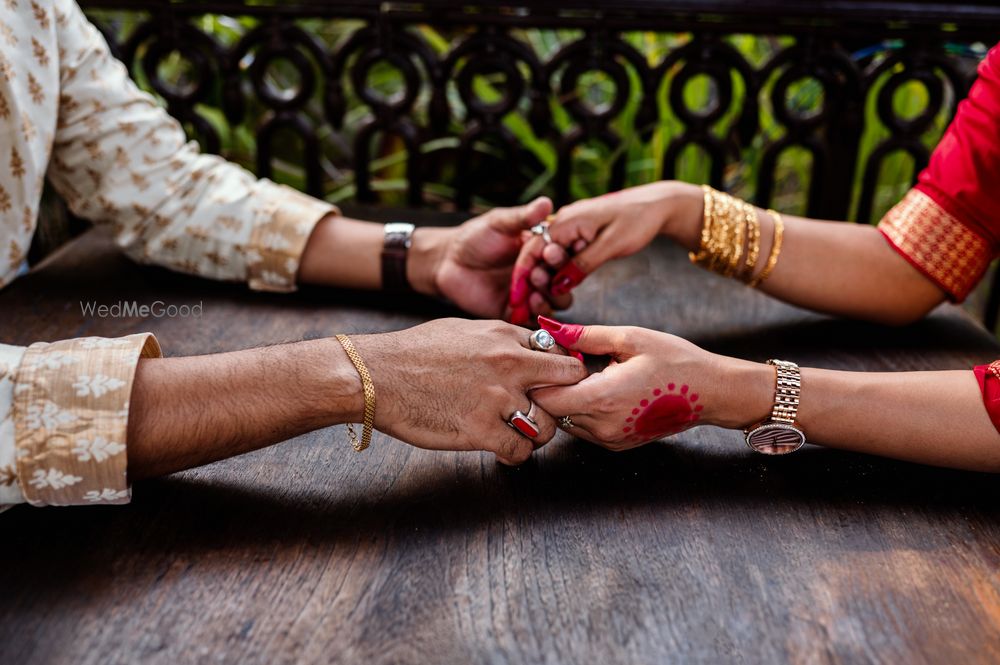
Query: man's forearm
(347, 252)
(186, 412)
(933, 418)
(834, 267)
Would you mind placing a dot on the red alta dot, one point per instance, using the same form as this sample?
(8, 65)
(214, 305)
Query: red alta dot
(644, 402)
(699, 407)
(657, 391)
(626, 429)
(670, 387)
(694, 397)
(635, 412)
(684, 390)
(629, 419)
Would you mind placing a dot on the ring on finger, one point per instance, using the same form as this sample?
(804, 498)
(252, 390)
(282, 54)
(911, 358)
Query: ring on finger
(523, 423)
(542, 229)
(541, 340)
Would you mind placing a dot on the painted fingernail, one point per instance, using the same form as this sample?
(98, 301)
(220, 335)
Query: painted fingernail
(565, 334)
(567, 279)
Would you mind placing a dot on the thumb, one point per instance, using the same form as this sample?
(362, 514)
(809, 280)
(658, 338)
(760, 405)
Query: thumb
(514, 220)
(593, 340)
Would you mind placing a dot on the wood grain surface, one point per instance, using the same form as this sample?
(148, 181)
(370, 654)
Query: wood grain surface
(689, 550)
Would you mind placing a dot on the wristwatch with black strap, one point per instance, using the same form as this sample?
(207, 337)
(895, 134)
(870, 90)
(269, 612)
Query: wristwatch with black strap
(395, 249)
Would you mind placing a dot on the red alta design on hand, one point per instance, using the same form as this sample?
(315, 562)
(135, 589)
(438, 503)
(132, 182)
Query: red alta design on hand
(666, 412)
(519, 292)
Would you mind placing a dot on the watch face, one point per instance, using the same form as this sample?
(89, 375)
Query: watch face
(775, 439)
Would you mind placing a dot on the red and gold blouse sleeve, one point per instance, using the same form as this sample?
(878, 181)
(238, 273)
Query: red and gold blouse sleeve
(948, 225)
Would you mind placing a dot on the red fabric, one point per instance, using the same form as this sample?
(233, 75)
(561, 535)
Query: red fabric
(963, 174)
(989, 386)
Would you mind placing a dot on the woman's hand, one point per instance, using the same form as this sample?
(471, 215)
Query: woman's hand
(452, 384)
(656, 385)
(617, 225)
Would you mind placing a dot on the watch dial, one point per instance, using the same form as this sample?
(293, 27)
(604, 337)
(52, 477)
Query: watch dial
(775, 439)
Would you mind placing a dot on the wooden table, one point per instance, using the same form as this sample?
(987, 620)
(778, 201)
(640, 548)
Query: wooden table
(690, 550)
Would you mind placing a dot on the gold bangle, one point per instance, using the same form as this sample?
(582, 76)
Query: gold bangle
(706, 226)
(772, 259)
(753, 242)
(369, 389)
(733, 269)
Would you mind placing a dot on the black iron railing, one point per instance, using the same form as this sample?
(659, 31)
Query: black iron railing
(447, 129)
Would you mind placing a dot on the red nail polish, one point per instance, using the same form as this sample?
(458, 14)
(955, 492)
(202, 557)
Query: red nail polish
(567, 279)
(578, 355)
(565, 334)
(549, 324)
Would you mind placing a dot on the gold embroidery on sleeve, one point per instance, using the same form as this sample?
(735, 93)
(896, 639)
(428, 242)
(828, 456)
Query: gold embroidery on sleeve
(948, 251)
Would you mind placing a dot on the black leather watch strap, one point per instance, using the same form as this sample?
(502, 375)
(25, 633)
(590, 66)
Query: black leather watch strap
(395, 249)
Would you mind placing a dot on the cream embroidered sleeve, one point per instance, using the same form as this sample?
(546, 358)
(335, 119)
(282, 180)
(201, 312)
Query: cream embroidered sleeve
(119, 158)
(64, 417)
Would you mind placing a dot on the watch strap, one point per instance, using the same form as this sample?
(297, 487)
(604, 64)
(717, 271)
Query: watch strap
(398, 237)
(787, 387)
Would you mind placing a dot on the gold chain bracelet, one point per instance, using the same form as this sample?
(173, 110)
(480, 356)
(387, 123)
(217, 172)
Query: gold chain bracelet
(369, 389)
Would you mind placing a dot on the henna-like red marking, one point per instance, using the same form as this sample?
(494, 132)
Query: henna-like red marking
(519, 286)
(668, 413)
(568, 278)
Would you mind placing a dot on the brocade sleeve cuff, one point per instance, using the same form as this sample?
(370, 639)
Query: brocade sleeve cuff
(278, 240)
(70, 412)
(937, 243)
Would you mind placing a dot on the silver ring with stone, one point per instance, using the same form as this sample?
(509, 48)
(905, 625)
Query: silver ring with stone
(523, 423)
(542, 229)
(541, 340)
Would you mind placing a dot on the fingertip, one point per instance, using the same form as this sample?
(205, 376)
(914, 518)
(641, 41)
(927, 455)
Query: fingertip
(539, 305)
(554, 255)
(540, 278)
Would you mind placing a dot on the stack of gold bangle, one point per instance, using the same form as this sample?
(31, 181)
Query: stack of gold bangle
(731, 232)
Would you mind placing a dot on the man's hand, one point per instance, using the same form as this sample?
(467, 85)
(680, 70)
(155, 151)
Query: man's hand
(471, 265)
(451, 384)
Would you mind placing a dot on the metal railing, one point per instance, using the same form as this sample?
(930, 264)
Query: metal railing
(857, 56)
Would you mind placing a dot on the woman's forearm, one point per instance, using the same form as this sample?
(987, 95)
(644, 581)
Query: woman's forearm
(933, 418)
(834, 267)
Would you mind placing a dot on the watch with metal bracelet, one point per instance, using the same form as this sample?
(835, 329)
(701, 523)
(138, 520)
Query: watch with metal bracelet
(780, 434)
(395, 248)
